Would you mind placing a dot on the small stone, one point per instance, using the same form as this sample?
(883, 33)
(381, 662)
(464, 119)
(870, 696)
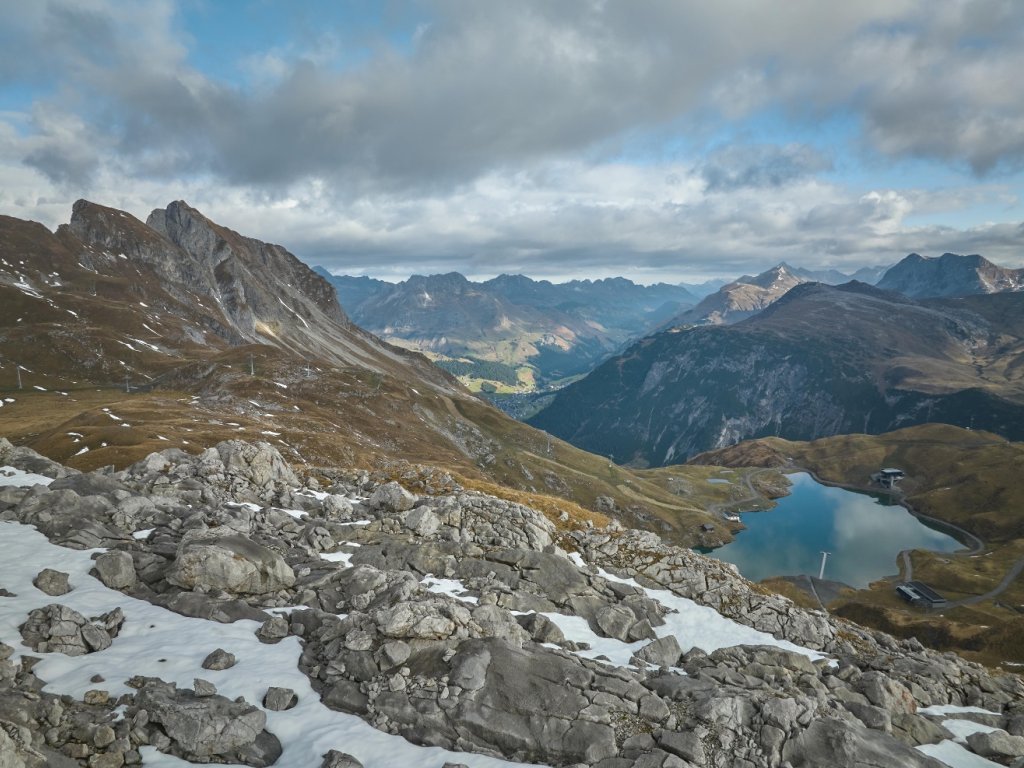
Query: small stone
(103, 736)
(336, 759)
(96, 697)
(52, 582)
(76, 751)
(219, 659)
(97, 679)
(280, 699)
(203, 688)
(107, 760)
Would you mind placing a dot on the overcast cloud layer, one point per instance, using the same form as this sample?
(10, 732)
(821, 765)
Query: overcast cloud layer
(659, 139)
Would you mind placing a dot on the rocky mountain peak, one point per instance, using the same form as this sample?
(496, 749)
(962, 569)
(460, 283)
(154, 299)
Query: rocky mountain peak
(950, 274)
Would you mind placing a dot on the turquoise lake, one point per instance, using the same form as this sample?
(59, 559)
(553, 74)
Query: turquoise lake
(864, 535)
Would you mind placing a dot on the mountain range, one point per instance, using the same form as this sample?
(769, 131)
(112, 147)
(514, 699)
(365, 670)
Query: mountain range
(950, 275)
(749, 294)
(121, 337)
(820, 361)
(510, 330)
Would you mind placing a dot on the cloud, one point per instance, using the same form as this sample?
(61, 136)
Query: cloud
(557, 139)
(484, 86)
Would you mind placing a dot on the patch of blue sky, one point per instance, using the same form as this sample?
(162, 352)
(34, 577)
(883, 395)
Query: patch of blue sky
(19, 96)
(693, 138)
(224, 37)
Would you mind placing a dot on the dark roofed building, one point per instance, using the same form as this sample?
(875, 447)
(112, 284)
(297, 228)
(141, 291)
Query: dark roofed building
(919, 593)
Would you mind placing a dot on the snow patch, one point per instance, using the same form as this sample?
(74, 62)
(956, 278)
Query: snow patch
(17, 477)
(156, 642)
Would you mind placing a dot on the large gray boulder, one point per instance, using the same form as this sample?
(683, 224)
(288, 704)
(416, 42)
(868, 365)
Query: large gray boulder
(116, 569)
(997, 744)
(527, 703)
(231, 563)
(336, 759)
(391, 497)
(663, 652)
(205, 728)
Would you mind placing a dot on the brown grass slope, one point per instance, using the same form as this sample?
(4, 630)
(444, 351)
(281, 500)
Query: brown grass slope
(132, 338)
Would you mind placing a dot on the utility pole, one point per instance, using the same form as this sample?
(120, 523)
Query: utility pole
(252, 366)
(308, 374)
(17, 369)
(821, 571)
(127, 386)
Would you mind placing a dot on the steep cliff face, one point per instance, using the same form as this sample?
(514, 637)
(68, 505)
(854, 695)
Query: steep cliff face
(242, 269)
(249, 291)
(950, 275)
(821, 361)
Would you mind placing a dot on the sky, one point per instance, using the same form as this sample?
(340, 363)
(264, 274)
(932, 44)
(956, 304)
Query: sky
(661, 140)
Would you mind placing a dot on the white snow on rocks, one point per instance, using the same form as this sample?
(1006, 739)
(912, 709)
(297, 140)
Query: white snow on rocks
(156, 642)
(694, 626)
(953, 709)
(345, 558)
(12, 476)
(955, 756)
(451, 587)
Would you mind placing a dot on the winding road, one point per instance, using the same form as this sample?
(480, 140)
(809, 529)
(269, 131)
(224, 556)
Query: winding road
(752, 497)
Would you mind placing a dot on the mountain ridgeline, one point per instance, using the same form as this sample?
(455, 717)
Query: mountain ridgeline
(553, 330)
(121, 337)
(950, 274)
(820, 361)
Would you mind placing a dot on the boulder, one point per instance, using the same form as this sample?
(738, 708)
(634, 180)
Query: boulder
(57, 628)
(273, 630)
(116, 569)
(229, 562)
(997, 744)
(219, 659)
(390, 498)
(422, 521)
(839, 744)
(54, 583)
(663, 652)
(203, 688)
(336, 759)
(279, 699)
(201, 728)
(615, 621)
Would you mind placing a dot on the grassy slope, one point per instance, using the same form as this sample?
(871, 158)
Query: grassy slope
(341, 417)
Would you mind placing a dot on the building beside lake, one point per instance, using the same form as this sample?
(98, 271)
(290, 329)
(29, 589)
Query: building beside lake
(888, 477)
(920, 594)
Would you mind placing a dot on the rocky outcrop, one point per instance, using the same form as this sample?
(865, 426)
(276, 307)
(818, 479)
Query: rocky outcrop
(59, 629)
(231, 470)
(456, 619)
(203, 728)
